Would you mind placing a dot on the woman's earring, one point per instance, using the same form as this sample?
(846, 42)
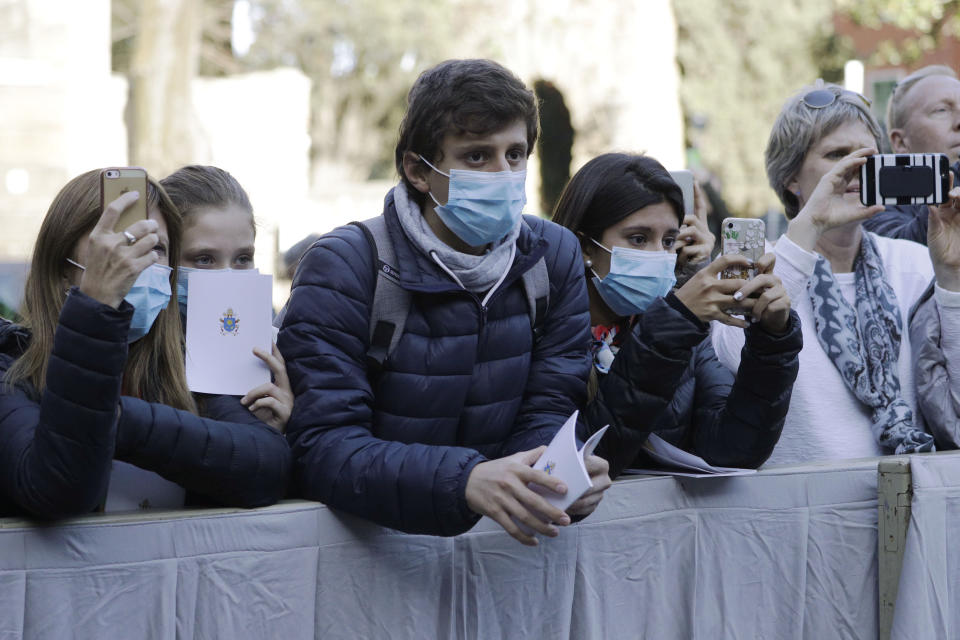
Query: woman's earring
(588, 263)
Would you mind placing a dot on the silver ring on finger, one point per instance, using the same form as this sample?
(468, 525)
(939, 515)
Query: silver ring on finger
(130, 237)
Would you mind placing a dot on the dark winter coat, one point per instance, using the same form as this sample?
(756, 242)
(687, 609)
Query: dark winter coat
(466, 383)
(56, 449)
(666, 379)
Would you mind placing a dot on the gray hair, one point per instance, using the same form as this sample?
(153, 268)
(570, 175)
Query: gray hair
(799, 127)
(897, 113)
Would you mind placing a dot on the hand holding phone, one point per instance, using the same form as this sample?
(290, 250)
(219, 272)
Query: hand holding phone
(905, 178)
(765, 299)
(112, 262)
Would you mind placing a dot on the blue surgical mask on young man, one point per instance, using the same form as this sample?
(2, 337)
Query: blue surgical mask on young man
(148, 296)
(482, 206)
(636, 278)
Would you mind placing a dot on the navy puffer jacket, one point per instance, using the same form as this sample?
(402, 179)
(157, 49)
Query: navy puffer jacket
(56, 449)
(666, 379)
(464, 383)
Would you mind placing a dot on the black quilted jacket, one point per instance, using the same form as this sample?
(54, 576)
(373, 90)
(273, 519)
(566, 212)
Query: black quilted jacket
(666, 379)
(56, 448)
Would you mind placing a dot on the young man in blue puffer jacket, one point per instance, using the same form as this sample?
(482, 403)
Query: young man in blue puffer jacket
(446, 427)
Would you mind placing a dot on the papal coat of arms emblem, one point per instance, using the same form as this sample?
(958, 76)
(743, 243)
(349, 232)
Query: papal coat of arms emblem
(229, 323)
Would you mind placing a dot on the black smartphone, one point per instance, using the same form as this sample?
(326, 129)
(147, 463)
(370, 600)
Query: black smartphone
(905, 178)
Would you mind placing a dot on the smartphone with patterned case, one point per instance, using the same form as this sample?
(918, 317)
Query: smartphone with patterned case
(905, 178)
(116, 181)
(745, 237)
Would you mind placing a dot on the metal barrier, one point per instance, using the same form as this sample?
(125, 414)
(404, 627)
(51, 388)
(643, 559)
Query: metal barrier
(894, 493)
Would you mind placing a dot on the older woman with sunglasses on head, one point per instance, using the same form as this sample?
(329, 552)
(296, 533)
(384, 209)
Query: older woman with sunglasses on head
(854, 396)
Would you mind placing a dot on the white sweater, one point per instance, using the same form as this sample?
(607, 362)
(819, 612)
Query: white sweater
(825, 420)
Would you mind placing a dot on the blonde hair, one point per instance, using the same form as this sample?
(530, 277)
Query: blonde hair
(155, 367)
(897, 114)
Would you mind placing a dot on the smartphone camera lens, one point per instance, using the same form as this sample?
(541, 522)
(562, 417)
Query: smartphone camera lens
(729, 225)
(113, 173)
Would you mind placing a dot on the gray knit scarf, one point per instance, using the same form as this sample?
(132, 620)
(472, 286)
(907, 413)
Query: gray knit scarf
(863, 341)
(476, 273)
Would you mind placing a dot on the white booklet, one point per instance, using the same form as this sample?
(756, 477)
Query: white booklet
(563, 461)
(132, 489)
(228, 314)
(681, 463)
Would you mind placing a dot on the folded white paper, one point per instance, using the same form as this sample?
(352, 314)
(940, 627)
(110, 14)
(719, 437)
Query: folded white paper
(682, 463)
(133, 489)
(563, 461)
(228, 314)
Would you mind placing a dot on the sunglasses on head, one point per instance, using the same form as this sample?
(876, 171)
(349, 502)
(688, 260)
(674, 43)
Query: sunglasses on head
(820, 98)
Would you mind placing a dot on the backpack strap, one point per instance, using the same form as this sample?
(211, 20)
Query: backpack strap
(391, 302)
(536, 286)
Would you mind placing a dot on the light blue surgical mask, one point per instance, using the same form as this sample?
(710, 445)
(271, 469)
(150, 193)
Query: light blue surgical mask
(482, 206)
(183, 277)
(636, 278)
(149, 295)
(183, 284)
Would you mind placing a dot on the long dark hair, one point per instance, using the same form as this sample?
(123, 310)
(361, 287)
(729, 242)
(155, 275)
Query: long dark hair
(609, 188)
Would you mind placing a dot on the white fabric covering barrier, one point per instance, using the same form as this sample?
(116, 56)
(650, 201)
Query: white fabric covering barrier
(929, 588)
(787, 553)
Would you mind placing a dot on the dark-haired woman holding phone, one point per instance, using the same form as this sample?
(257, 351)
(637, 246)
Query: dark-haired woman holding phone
(655, 370)
(96, 374)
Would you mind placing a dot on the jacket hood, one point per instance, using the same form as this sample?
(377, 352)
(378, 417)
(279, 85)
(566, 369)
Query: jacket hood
(13, 338)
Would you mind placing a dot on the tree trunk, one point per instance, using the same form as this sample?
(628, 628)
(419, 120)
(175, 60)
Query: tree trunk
(164, 64)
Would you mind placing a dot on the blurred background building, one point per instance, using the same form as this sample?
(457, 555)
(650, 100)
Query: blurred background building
(301, 99)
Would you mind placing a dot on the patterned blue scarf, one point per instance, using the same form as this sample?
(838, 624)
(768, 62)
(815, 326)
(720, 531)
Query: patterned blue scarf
(864, 345)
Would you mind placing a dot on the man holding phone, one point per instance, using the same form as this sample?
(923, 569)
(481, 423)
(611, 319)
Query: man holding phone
(923, 116)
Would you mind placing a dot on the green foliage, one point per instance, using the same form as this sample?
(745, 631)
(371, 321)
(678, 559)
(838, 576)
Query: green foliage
(362, 57)
(929, 20)
(740, 60)
(8, 313)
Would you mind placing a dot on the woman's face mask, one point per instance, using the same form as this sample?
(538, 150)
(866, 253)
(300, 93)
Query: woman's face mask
(482, 206)
(636, 278)
(148, 296)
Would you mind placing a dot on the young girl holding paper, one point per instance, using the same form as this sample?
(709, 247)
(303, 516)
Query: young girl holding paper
(219, 233)
(655, 370)
(96, 373)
